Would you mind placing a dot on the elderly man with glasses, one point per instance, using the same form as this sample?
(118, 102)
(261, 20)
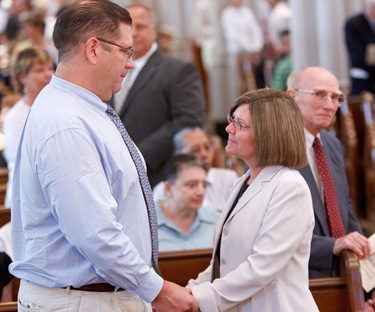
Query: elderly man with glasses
(317, 93)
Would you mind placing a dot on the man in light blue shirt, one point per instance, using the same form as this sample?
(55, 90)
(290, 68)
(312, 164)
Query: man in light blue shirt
(80, 225)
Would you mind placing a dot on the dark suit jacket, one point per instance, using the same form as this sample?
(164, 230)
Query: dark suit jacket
(358, 34)
(166, 97)
(322, 262)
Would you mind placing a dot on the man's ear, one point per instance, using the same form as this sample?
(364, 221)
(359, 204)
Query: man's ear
(92, 50)
(168, 189)
(291, 92)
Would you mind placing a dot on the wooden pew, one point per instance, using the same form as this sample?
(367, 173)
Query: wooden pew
(8, 306)
(3, 188)
(355, 104)
(180, 266)
(369, 157)
(337, 294)
(347, 134)
(340, 294)
(3, 175)
(4, 216)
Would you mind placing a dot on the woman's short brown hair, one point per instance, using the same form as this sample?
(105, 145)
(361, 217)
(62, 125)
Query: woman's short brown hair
(277, 127)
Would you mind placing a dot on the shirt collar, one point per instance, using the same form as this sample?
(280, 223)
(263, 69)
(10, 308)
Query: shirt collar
(79, 92)
(310, 139)
(140, 62)
(202, 216)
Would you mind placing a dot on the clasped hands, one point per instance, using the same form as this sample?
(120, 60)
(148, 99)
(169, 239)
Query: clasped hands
(173, 297)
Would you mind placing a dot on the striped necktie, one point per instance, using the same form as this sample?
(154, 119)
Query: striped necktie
(145, 184)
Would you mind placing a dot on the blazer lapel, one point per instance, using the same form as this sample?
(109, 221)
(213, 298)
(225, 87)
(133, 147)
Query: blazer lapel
(254, 188)
(144, 77)
(319, 209)
(228, 205)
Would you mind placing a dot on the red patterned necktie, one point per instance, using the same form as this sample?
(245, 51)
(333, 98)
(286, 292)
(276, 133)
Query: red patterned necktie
(332, 207)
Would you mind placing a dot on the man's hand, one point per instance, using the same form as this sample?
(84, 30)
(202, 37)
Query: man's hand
(370, 303)
(355, 242)
(174, 298)
(369, 306)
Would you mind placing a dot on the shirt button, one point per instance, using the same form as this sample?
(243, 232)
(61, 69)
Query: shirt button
(225, 232)
(223, 261)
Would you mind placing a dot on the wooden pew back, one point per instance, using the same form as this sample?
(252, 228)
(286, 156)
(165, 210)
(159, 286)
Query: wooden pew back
(4, 216)
(337, 294)
(181, 266)
(8, 306)
(340, 294)
(347, 134)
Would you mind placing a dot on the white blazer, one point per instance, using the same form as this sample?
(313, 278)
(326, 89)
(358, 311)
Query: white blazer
(265, 248)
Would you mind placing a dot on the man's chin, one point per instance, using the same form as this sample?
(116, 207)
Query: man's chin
(117, 88)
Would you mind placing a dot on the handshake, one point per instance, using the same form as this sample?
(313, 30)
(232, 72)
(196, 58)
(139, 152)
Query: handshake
(173, 297)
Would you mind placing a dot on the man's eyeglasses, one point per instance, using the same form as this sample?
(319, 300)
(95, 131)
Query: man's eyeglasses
(322, 95)
(128, 52)
(238, 125)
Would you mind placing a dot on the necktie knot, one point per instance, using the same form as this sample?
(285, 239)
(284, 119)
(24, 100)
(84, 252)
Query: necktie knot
(331, 204)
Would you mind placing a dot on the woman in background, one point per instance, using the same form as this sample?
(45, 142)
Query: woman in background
(31, 72)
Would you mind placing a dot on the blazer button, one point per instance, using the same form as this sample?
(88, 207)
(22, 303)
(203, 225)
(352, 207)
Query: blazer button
(223, 261)
(225, 232)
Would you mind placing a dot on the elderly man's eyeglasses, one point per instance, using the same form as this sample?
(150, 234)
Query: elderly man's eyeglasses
(322, 95)
(238, 125)
(128, 52)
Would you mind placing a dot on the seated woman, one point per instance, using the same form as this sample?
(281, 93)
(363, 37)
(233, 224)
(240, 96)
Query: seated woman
(31, 71)
(220, 181)
(182, 224)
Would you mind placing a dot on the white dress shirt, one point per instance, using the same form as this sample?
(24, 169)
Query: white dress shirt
(312, 162)
(241, 30)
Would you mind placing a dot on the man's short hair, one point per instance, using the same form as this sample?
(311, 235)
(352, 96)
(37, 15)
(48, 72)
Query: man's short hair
(179, 162)
(87, 18)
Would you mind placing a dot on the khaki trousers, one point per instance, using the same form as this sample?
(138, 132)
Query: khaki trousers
(35, 298)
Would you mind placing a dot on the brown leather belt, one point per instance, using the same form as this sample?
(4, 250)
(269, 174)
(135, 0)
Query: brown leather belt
(100, 287)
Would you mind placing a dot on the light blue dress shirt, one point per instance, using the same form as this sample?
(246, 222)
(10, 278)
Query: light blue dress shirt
(201, 233)
(78, 213)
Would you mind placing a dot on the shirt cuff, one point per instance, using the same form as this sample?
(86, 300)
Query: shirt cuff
(151, 286)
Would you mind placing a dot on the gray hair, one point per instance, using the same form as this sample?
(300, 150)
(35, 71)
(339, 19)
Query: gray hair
(179, 139)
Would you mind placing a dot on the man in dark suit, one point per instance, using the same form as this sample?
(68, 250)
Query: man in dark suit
(318, 96)
(159, 97)
(359, 36)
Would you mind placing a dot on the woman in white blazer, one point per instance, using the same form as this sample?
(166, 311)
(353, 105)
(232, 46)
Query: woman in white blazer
(262, 241)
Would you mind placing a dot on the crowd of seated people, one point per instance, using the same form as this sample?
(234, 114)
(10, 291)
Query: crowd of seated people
(219, 180)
